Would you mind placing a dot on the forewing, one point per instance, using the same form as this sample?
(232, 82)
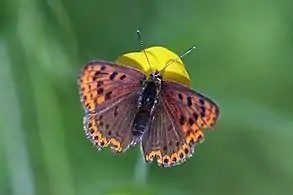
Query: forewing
(102, 83)
(195, 109)
(108, 93)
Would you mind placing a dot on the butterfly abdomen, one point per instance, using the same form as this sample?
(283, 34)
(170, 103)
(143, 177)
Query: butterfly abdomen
(140, 122)
(146, 104)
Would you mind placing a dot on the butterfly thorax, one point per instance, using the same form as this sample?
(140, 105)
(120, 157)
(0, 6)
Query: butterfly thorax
(146, 104)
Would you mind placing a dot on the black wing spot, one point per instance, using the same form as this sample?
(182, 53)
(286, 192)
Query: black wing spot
(174, 159)
(189, 132)
(100, 83)
(189, 101)
(192, 141)
(108, 95)
(203, 111)
(98, 73)
(201, 101)
(113, 75)
(122, 77)
(199, 137)
(166, 160)
(103, 68)
(191, 121)
(85, 97)
(182, 120)
(100, 90)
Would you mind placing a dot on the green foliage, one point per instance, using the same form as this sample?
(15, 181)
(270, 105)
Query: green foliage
(243, 61)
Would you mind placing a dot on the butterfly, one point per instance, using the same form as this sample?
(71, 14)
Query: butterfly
(124, 107)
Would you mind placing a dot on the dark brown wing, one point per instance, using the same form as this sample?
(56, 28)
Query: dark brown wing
(108, 93)
(176, 126)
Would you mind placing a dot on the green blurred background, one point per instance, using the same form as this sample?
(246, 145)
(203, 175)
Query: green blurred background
(243, 60)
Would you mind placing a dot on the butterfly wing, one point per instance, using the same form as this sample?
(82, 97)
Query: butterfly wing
(164, 140)
(112, 125)
(108, 93)
(195, 107)
(180, 116)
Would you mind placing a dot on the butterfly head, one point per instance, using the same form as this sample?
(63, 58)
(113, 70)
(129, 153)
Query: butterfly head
(156, 77)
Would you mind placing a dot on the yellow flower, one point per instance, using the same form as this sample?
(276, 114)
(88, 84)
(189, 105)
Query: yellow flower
(158, 58)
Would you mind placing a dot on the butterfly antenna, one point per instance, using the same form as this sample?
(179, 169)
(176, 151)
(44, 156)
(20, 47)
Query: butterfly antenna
(142, 47)
(180, 57)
